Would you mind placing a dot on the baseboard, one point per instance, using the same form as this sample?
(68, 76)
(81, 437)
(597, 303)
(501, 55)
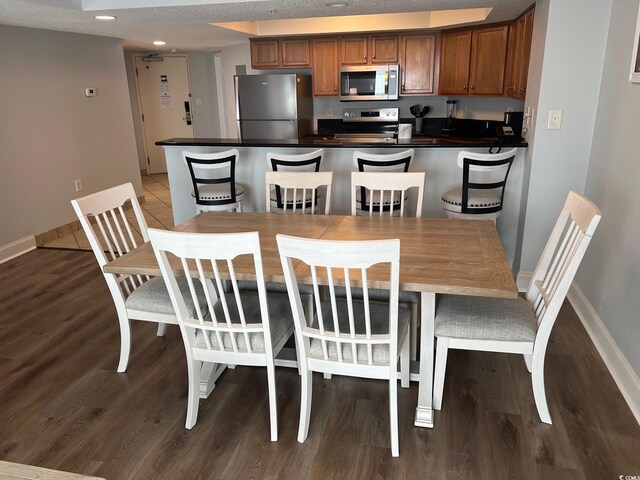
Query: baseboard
(624, 376)
(17, 248)
(522, 281)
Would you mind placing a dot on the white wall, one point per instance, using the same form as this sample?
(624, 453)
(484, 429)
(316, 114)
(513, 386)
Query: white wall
(610, 273)
(572, 64)
(51, 134)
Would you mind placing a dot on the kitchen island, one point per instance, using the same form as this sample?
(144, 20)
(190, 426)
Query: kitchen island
(434, 155)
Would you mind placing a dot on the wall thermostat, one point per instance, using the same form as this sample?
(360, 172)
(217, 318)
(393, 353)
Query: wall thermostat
(90, 92)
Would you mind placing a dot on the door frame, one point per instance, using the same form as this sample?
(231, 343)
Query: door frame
(139, 99)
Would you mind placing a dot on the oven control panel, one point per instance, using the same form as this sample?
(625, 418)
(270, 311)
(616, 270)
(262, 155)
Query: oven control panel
(370, 115)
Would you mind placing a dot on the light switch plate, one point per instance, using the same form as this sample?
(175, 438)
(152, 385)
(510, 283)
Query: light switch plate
(555, 120)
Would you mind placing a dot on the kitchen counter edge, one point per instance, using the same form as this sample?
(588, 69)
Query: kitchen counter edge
(419, 142)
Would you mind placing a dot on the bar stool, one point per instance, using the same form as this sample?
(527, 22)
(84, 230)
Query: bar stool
(480, 198)
(373, 162)
(304, 162)
(214, 181)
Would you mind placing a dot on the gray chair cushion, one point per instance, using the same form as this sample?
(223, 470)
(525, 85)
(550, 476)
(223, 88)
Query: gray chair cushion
(280, 320)
(379, 325)
(480, 318)
(379, 295)
(275, 287)
(452, 200)
(152, 296)
(219, 191)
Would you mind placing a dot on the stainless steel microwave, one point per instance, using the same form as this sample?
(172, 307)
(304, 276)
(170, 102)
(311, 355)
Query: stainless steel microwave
(372, 82)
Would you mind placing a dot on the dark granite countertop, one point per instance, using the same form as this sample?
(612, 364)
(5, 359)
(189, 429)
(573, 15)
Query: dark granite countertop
(417, 141)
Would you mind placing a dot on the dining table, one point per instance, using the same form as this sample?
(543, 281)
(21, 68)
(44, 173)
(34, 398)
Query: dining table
(437, 256)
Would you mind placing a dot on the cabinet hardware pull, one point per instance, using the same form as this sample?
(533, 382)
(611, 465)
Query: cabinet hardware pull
(464, 87)
(284, 60)
(275, 59)
(523, 90)
(364, 58)
(472, 86)
(374, 56)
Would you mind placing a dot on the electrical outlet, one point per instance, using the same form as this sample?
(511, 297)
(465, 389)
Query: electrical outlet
(78, 184)
(329, 112)
(198, 102)
(555, 120)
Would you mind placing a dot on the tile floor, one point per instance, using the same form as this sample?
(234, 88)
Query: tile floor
(156, 208)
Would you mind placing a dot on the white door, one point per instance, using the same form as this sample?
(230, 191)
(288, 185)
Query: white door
(165, 103)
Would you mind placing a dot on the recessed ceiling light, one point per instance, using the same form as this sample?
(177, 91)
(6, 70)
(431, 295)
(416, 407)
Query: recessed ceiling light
(105, 17)
(159, 42)
(337, 4)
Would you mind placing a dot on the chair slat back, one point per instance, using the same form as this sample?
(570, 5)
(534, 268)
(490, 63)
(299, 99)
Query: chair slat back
(342, 263)
(491, 173)
(212, 169)
(203, 256)
(292, 184)
(299, 162)
(561, 258)
(384, 187)
(106, 218)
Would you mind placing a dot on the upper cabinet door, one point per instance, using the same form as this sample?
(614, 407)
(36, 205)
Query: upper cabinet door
(295, 52)
(384, 49)
(526, 33)
(353, 51)
(488, 59)
(264, 53)
(325, 67)
(417, 63)
(455, 55)
(513, 59)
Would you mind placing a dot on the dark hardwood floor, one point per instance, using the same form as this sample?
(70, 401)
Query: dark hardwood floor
(63, 406)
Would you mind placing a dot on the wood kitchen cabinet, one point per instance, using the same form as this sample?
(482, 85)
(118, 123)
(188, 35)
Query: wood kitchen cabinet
(369, 50)
(473, 60)
(488, 60)
(280, 53)
(518, 54)
(417, 62)
(325, 67)
(455, 57)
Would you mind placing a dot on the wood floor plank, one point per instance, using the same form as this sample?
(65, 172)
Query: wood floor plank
(63, 406)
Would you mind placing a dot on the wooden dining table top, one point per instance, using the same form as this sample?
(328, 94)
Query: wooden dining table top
(463, 257)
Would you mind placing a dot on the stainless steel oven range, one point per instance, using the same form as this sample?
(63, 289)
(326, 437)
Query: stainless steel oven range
(369, 125)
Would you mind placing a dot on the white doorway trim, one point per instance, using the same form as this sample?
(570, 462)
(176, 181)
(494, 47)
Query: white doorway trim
(222, 105)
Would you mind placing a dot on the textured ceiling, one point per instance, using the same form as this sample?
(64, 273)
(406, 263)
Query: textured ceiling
(186, 27)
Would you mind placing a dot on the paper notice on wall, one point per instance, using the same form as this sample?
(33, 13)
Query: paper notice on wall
(165, 86)
(165, 100)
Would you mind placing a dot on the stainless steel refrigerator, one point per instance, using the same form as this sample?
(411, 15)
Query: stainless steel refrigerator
(274, 106)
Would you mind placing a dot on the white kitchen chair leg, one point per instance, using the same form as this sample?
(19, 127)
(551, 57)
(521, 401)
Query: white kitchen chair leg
(537, 381)
(305, 405)
(162, 329)
(125, 342)
(527, 361)
(193, 401)
(393, 415)
(442, 346)
(273, 401)
(404, 364)
(413, 337)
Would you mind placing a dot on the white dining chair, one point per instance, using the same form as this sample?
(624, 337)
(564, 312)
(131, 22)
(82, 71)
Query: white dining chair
(381, 162)
(296, 186)
(484, 180)
(213, 176)
(518, 325)
(112, 233)
(298, 162)
(380, 188)
(346, 336)
(242, 327)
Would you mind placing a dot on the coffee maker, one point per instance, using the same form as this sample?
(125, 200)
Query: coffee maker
(514, 120)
